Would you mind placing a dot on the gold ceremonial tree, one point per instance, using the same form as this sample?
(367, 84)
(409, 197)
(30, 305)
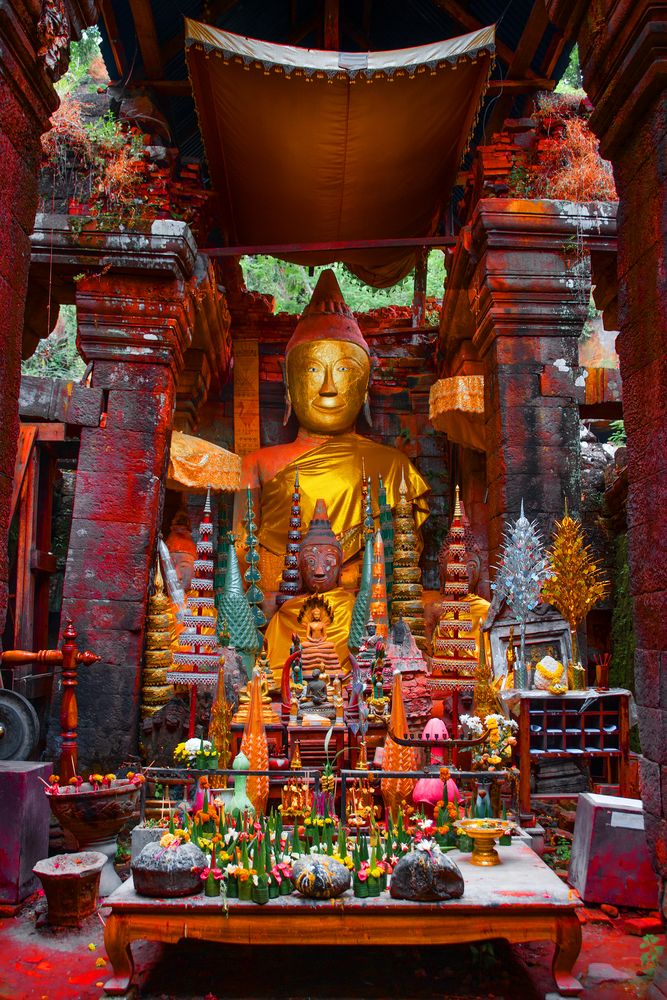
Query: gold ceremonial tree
(576, 583)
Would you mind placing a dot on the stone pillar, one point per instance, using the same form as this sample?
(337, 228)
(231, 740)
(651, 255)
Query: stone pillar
(625, 75)
(529, 301)
(135, 327)
(31, 58)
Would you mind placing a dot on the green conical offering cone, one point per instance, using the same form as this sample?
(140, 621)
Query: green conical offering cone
(362, 604)
(236, 611)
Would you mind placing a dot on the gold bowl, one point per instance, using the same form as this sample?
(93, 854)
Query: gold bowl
(484, 833)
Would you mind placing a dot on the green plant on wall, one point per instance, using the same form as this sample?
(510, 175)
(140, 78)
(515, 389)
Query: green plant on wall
(618, 435)
(622, 666)
(57, 356)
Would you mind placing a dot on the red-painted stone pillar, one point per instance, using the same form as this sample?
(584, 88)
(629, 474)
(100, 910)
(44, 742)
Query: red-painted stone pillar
(624, 71)
(135, 326)
(529, 297)
(33, 53)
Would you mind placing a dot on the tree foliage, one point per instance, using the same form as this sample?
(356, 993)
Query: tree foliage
(571, 78)
(82, 55)
(292, 286)
(57, 356)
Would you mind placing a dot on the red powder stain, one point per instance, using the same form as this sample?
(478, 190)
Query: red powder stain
(509, 892)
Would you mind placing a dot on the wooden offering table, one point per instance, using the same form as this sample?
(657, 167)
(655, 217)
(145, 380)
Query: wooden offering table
(519, 900)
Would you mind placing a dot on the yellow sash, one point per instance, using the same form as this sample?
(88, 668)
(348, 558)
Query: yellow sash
(284, 623)
(332, 472)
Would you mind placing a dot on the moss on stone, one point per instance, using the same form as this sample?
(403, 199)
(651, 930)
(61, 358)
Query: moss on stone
(622, 667)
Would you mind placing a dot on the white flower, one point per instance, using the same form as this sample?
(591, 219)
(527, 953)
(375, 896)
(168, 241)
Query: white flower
(473, 723)
(194, 745)
(430, 846)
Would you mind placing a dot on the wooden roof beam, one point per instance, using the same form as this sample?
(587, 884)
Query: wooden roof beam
(279, 249)
(531, 37)
(332, 25)
(458, 12)
(113, 36)
(149, 46)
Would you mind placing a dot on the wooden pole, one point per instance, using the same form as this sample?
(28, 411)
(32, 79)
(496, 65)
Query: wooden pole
(69, 713)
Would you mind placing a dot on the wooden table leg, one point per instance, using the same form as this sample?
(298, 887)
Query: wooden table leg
(566, 952)
(117, 946)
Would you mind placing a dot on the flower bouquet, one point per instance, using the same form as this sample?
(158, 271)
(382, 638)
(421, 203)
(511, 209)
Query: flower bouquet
(196, 753)
(496, 750)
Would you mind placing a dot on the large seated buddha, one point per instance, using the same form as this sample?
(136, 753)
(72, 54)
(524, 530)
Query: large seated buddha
(327, 373)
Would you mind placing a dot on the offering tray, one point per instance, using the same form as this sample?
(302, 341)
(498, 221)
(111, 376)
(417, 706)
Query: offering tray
(484, 833)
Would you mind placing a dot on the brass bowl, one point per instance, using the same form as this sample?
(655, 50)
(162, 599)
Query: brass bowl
(484, 833)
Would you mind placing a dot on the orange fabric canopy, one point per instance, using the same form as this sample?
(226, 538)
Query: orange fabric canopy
(307, 146)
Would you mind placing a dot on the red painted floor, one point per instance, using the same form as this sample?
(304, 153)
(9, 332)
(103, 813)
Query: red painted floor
(44, 963)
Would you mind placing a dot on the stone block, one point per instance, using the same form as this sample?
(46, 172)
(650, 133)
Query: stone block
(106, 615)
(25, 837)
(100, 497)
(139, 409)
(644, 391)
(650, 618)
(653, 734)
(610, 858)
(639, 926)
(108, 560)
(555, 382)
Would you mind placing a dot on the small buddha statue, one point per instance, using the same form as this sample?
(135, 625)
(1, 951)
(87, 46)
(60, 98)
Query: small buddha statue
(315, 700)
(316, 631)
(323, 614)
(327, 373)
(316, 689)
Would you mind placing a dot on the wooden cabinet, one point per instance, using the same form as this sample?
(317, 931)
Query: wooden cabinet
(593, 726)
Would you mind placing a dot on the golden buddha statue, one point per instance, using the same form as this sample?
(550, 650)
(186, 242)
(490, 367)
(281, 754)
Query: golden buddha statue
(321, 617)
(327, 373)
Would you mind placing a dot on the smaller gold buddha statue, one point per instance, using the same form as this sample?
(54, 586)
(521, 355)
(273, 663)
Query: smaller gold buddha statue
(317, 648)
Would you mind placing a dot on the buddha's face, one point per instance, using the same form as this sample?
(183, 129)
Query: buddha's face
(327, 382)
(184, 565)
(320, 567)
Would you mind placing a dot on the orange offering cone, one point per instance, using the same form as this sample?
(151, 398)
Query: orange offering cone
(255, 747)
(397, 792)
